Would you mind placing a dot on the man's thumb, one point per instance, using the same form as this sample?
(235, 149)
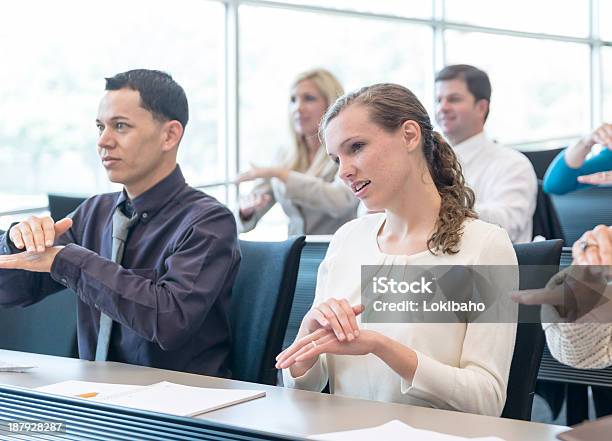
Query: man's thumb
(62, 226)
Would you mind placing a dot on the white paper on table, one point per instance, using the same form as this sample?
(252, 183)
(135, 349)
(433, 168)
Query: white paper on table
(74, 388)
(164, 397)
(178, 399)
(394, 430)
(14, 367)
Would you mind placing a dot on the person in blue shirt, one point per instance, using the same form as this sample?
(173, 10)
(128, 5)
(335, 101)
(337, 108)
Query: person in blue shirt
(570, 170)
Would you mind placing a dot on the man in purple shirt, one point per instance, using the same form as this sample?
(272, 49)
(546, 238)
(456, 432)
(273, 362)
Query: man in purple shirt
(169, 297)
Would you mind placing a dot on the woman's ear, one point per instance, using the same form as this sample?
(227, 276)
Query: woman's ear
(411, 134)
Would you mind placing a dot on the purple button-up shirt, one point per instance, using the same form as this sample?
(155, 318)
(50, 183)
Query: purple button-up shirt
(170, 295)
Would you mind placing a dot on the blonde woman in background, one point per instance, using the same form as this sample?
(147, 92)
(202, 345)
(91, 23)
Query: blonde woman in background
(306, 184)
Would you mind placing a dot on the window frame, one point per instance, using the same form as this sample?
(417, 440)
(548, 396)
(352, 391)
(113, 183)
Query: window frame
(229, 124)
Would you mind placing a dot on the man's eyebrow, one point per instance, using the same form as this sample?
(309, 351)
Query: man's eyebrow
(114, 118)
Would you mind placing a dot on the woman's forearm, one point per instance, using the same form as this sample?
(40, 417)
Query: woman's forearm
(576, 154)
(398, 357)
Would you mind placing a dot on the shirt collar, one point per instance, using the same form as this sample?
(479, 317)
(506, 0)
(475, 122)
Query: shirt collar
(470, 149)
(152, 200)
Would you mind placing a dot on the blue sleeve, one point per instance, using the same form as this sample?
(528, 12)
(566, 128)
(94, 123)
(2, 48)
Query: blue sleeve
(560, 178)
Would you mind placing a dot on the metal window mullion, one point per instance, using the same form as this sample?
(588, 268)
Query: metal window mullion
(595, 67)
(439, 45)
(336, 11)
(232, 84)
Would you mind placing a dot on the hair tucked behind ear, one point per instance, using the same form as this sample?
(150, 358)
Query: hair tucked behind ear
(390, 106)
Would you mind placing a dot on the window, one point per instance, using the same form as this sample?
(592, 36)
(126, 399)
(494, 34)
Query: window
(570, 17)
(358, 51)
(404, 8)
(606, 62)
(534, 97)
(55, 62)
(605, 12)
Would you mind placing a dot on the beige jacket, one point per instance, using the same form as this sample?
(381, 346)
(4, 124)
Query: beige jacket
(314, 204)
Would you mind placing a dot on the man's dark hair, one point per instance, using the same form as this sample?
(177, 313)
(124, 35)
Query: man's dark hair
(159, 93)
(477, 80)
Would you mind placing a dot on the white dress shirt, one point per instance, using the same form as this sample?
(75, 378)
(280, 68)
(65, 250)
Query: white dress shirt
(504, 182)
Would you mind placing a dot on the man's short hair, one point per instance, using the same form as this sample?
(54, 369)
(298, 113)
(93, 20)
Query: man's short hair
(477, 80)
(159, 93)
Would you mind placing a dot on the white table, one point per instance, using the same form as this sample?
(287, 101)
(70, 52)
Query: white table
(283, 411)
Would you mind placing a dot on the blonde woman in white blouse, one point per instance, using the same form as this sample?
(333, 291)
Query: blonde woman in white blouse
(305, 184)
(390, 157)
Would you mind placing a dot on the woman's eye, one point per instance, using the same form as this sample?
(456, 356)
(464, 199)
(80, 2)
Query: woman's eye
(355, 147)
(120, 126)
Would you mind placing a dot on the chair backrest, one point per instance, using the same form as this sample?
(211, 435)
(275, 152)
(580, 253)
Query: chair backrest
(582, 210)
(61, 206)
(541, 159)
(538, 262)
(47, 327)
(312, 256)
(530, 337)
(260, 306)
(545, 220)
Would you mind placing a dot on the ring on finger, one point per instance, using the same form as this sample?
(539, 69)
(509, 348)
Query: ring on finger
(584, 244)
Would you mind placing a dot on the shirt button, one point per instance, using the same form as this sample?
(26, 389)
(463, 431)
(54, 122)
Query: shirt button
(64, 281)
(145, 215)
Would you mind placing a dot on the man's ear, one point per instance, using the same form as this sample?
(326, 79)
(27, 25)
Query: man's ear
(482, 106)
(172, 134)
(411, 134)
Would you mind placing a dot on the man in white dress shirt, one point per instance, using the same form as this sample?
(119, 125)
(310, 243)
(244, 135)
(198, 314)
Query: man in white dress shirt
(503, 179)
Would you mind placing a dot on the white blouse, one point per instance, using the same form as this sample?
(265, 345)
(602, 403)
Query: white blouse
(461, 366)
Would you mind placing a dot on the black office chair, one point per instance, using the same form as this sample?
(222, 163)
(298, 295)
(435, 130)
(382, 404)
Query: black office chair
(541, 159)
(47, 327)
(61, 206)
(312, 256)
(582, 210)
(538, 262)
(260, 305)
(545, 219)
